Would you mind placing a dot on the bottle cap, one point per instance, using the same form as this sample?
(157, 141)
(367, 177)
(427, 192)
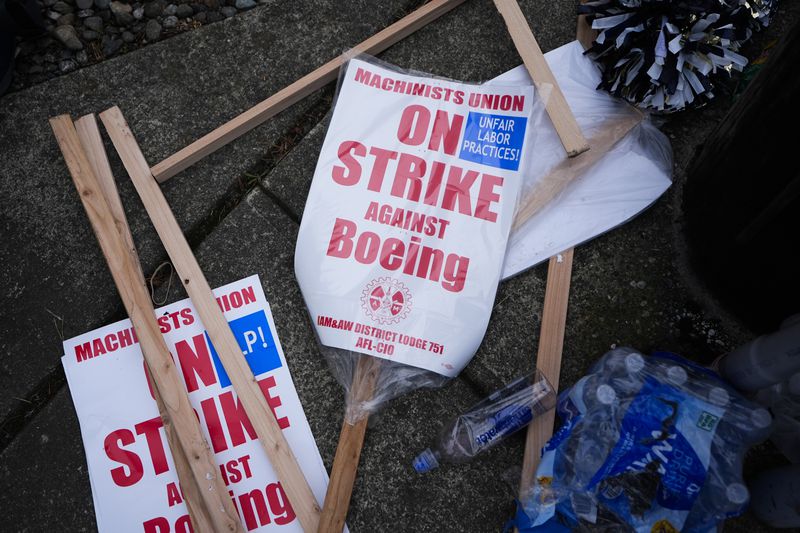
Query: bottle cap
(737, 493)
(425, 462)
(719, 396)
(634, 363)
(606, 394)
(677, 375)
(761, 418)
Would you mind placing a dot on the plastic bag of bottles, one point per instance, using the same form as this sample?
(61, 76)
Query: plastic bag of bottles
(648, 444)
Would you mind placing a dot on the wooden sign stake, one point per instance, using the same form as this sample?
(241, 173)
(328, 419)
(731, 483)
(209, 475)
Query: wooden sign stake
(89, 135)
(127, 276)
(348, 451)
(548, 357)
(244, 383)
(554, 314)
(556, 105)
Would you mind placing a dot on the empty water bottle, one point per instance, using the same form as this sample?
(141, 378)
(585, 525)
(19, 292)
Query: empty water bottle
(488, 422)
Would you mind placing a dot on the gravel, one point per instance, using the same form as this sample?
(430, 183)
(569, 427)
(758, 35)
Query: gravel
(83, 32)
(94, 23)
(66, 20)
(68, 37)
(152, 30)
(153, 9)
(122, 13)
(62, 7)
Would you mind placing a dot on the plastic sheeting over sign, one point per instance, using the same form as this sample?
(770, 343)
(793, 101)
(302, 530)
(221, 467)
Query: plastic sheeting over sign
(630, 177)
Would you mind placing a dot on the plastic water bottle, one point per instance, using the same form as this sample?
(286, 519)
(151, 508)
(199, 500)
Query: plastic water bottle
(597, 402)
(490, 421)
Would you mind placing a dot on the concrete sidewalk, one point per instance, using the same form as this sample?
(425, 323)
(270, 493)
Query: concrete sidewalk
(630, 286)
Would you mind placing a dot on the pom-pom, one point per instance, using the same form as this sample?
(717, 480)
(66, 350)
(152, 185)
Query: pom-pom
(665, 54)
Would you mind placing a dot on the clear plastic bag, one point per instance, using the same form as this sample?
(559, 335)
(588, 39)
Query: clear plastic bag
(402, 241)
(647, 444)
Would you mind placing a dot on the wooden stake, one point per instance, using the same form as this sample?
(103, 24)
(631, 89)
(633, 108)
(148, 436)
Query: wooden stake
(548, 357)
(89, 135)
(584, 33)
(126, 273)
(298, 90)
(348, 451)
(556, 105)
(244, 383)
(556, 296)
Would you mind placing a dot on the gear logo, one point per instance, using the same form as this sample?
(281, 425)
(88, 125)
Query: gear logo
(386, 300)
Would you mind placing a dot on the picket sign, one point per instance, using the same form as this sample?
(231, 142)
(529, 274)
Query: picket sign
(127, 277)
(244, 382)
(268, 432)
(352, 436)
(89, 135)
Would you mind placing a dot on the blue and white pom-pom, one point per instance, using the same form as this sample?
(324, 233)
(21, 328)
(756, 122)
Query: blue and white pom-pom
(664, 55)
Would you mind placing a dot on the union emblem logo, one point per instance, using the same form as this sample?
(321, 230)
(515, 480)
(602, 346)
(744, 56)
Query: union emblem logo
(386, 300)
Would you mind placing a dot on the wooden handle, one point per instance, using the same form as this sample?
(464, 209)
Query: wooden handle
(343, 476)
(584, 33)
(556, 105)
(348, 451)
(126, 272)
(244, 383)
(548, 357)
(89, 135)
(298, 90)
